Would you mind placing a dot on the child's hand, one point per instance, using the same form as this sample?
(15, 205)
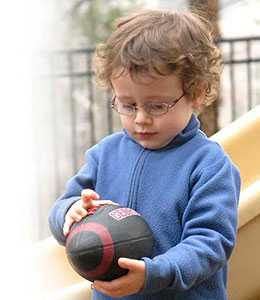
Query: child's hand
(81, 208)
(128, 284)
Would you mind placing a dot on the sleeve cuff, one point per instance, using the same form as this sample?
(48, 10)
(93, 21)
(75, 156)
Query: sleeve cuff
(57, 218)
(158, 274)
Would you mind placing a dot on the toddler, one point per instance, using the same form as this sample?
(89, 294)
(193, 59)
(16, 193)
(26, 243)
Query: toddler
(163, 68)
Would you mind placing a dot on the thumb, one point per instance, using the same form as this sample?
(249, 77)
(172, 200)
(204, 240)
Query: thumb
(87, 195)
(131, 264)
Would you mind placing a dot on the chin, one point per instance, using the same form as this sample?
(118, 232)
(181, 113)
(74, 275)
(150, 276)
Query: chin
(152, 146)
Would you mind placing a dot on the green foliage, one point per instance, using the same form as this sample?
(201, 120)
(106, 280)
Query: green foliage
(94, 19)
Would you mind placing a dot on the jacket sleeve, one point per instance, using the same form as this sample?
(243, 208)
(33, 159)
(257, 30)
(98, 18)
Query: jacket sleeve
(209, 231)
(85, 178)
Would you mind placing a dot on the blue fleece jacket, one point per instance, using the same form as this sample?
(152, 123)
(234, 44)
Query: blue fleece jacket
(188, 193)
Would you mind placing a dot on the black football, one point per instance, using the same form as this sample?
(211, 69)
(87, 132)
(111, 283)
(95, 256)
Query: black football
(95, 244)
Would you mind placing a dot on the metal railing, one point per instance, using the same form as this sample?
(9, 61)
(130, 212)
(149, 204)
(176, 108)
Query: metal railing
(73, 114)
(250, 59)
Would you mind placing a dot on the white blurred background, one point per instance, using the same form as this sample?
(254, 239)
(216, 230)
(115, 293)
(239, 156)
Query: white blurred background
(20, 28)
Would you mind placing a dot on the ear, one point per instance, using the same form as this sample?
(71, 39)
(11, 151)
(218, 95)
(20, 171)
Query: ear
(197, 103)
(199, 97)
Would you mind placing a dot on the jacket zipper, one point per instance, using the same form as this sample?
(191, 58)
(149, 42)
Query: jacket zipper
(136, 174)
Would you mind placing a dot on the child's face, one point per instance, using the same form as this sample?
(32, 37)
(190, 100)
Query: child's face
(149, 131)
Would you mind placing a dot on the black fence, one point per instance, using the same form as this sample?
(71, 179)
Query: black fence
(72, 114)
(249, 58)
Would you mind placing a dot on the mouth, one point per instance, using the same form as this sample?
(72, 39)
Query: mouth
(145, 135)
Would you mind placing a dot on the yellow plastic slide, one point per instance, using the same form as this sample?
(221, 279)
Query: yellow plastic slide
(241, 140)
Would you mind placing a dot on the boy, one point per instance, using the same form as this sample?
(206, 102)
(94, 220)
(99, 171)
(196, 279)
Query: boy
(161, 66)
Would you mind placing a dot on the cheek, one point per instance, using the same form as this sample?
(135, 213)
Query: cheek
(173, 124)
(169, 127)
(126, 122)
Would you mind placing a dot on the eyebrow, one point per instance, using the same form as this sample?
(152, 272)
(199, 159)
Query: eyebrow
(124, 97)
(148, 97)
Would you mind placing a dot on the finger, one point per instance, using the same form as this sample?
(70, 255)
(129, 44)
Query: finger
(66, 227)
(103, 291)
(81, 211)
(103, 202)
(131, 264)
(76, 216)
(114, 288)
(71, 217)
(103, 285)
(88, 195)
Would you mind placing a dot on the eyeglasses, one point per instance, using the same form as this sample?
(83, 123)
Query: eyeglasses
(152, 108)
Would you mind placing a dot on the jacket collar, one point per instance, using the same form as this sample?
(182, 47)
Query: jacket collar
(186, 134)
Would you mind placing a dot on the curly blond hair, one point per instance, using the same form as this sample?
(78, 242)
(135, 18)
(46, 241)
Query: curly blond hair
(162, 42)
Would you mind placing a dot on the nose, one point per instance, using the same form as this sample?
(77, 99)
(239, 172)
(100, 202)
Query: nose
(142, 117)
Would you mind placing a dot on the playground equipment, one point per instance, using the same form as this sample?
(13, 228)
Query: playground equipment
(241, 140)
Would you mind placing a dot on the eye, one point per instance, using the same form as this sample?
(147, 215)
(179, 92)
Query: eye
(156, 107)
(127, 106)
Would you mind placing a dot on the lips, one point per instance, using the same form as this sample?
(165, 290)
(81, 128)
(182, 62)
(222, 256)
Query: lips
(145, 135)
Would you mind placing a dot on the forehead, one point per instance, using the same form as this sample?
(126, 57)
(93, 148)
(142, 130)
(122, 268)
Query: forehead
(146, 85)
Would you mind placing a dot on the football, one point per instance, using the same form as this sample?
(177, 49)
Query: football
(95, 244)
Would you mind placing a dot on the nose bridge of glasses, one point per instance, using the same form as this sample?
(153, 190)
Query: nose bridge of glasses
(141, 112)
